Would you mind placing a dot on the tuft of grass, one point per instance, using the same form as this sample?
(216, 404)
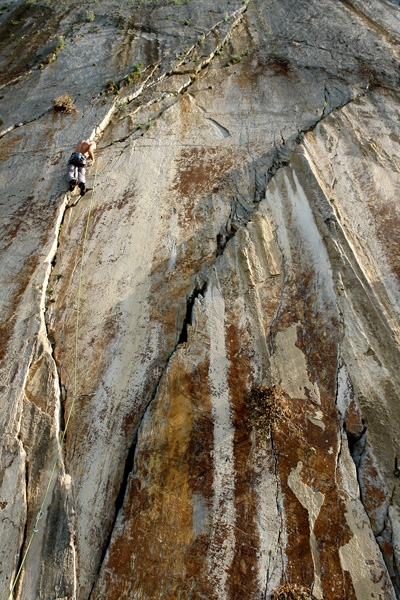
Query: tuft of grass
(58, 277)
(112, 86)
(90, 16)
(135, 75)
(122, 104)
(235, 59)
(64, 103)
(201, 38)
(150, 123)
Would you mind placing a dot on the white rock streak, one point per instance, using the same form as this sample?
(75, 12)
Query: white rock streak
(224, 513)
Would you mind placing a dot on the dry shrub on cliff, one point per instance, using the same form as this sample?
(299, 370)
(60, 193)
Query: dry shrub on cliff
(64, 103)
(292, 591)
(266, 408)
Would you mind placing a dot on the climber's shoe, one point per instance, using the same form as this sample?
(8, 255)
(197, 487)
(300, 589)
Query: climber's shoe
(82, 188)
(72, 185)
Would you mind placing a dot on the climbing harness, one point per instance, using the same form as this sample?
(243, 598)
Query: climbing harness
(77, 159)
(39, 515)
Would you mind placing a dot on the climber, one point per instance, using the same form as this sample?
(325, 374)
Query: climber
(76, 168)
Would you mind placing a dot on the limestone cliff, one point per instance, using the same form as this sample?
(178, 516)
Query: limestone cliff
(199, 394)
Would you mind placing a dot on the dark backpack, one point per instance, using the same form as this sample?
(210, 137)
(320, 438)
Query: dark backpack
(77, 159)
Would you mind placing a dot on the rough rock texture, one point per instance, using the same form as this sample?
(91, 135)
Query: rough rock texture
(200, 357)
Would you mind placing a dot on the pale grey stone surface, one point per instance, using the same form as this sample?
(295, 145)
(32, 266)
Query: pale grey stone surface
(258, 141)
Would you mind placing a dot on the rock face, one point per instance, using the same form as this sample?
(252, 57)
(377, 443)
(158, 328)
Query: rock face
(200, 357)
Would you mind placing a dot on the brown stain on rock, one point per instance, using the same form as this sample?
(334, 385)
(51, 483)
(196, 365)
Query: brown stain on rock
(296, 439)
(172, 464)
(243, 576)
(198, 170)
(373, 490)
(8, 144)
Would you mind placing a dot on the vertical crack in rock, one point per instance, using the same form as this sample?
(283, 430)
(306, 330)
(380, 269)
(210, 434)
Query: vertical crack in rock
(352, 424)
(223, 238)
(269, 573)
(197, 291)
(42, 341)
(119, 502)
(51, 334)
(50, 532)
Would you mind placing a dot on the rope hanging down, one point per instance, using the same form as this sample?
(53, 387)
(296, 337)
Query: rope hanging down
(39, 515)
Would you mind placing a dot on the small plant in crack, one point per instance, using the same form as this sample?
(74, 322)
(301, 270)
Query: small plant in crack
(64, 104)
(265, 409)
(112, 86)
(122, 104)
(292, 591)
(90, 16)
(187, 23)
(50, 291)
(149, 123)
(58, 277)
(135, 75)
(201, 38)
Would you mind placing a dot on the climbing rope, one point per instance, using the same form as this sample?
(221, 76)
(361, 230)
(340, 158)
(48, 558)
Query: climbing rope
(39, 515)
